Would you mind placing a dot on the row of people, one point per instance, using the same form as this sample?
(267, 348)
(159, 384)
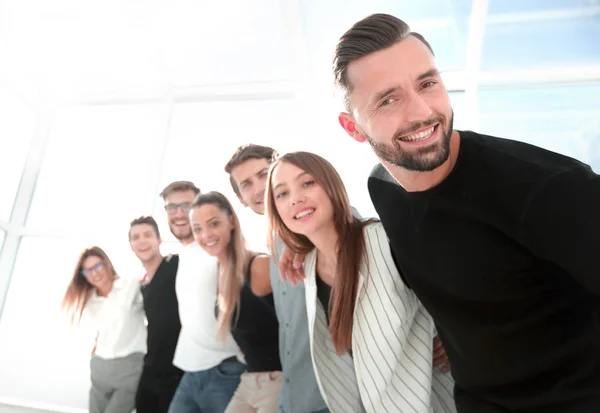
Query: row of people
(246, 309)
(494, 239)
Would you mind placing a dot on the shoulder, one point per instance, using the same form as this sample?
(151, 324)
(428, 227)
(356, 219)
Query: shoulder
(577, 187)
(172, 259)
(521, 159)
(196, 260)
(128, 284)
(377, 244)
(374, 232)
(170, 264)
(261, 263)
(379, 173)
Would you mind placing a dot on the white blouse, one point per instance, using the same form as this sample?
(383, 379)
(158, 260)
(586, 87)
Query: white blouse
(119, 320)
(390, 369)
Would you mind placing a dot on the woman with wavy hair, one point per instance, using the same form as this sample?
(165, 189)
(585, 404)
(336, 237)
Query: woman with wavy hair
(115, 307)
(371, 339)
(244, 305)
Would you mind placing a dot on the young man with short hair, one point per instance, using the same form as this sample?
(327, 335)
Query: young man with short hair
(160, 377)
(248, 169)
(211, 366)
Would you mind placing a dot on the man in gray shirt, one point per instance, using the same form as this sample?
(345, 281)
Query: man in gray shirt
(248, 169)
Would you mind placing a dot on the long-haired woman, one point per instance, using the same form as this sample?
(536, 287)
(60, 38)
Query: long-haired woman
(115, 308)
(371, 340)
(244, 302)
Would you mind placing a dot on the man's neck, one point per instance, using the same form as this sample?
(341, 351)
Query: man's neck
(152, 265)
(186, 242)
(413, 181)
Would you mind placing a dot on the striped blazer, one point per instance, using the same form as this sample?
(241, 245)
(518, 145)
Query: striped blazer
(390, 369)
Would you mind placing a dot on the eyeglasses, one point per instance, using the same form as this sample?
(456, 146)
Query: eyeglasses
(88, 271)
(172, 208)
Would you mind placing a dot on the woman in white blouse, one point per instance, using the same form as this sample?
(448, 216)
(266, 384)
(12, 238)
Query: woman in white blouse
(115, 306)
(371, 340)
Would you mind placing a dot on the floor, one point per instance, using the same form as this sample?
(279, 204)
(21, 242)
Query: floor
(13, 409)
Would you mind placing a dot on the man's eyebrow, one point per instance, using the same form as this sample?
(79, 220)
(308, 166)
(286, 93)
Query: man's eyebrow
(385, 93)
(430, 73)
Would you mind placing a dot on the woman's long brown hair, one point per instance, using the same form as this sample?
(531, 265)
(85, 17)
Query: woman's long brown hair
(79, 289)
(237, 261)
(350, 246)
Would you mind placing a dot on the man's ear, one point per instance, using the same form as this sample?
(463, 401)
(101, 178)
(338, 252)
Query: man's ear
(347, 122)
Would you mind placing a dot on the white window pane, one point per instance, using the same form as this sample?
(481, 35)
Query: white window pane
(18, 122)
(227, 41)
(100, 168)
(110, 52)
(537, 34)
(42, 360)
(564, 119)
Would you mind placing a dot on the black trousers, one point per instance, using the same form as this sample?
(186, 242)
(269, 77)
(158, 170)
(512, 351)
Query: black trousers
(155, 391)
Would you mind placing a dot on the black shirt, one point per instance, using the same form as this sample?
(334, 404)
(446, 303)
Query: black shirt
(160, 305)
(324, 295)
(503, 254)
(256, 330)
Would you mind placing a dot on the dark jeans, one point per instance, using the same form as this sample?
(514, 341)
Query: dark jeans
(207, 391)
(155, 391)
(320, 411)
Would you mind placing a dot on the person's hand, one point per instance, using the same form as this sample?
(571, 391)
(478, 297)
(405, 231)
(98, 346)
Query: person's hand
(440, 358)
(290, 266)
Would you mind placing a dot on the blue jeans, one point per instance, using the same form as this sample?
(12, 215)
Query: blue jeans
(320, 411)
(207, 391)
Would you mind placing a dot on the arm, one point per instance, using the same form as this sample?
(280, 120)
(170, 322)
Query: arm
(95, 344)
(260, 276)
(561, 224)
(290, 266)
(138, 301)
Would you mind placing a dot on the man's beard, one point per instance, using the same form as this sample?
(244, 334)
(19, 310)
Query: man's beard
(181, 235)
(421, 159)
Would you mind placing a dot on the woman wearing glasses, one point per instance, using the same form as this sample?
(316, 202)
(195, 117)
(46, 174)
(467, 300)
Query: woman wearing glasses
(115, 307)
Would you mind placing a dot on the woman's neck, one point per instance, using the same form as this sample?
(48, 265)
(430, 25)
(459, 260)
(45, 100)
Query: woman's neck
(105, 289)
(326, 242)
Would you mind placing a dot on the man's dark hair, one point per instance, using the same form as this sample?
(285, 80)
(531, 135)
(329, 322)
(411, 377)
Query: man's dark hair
(179, 186)
(245, 153)
(144, 220)
(370, 35)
